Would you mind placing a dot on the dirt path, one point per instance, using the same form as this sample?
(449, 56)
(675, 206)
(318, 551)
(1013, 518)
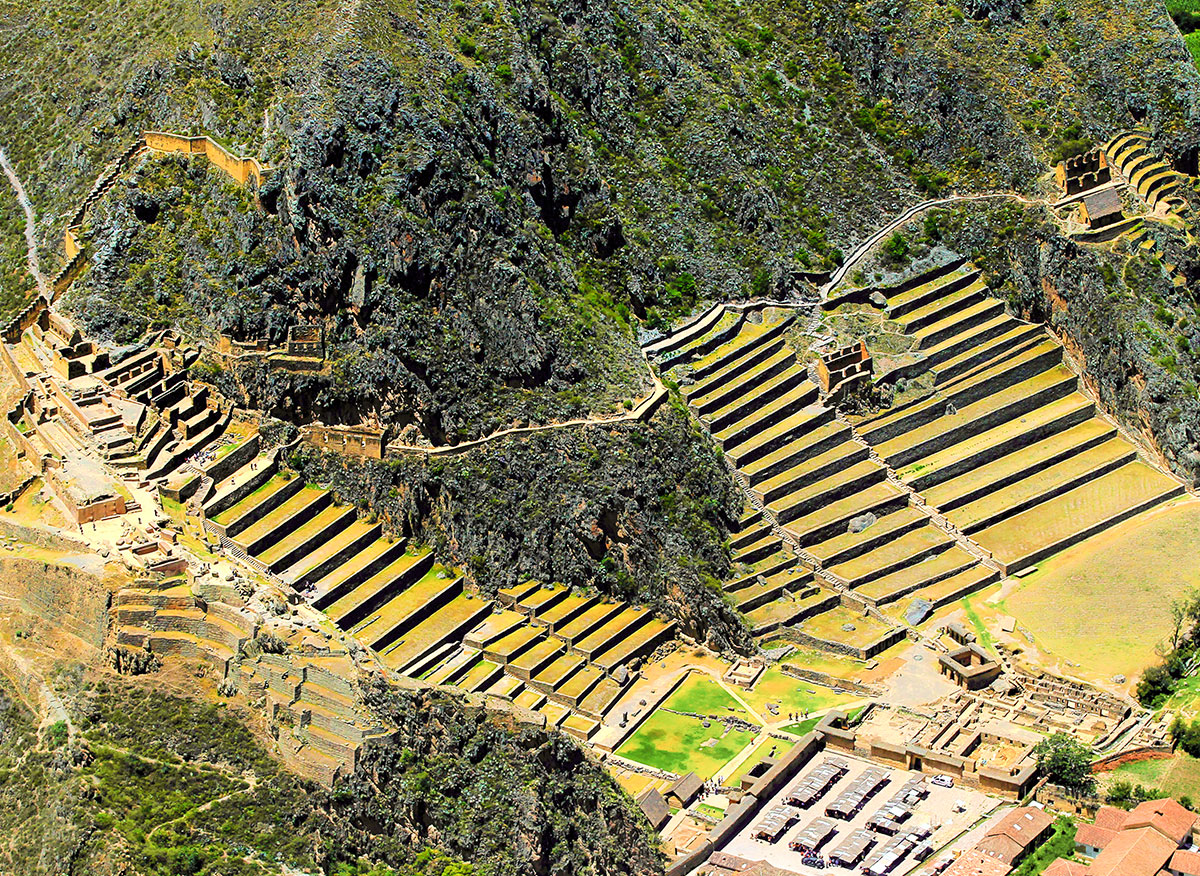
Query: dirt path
(51, 708)
(30, 222)
(856, 255)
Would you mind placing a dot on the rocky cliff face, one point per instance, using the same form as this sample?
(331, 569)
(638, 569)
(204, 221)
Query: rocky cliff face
(521, 802)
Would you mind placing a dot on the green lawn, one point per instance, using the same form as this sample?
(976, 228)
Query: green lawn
(1192, 41)
(681, 744)
(703, 695)
(1176, 776)
(792, 694)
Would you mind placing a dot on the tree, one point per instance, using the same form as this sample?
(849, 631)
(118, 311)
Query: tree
(1066, 762)
(1154, 686)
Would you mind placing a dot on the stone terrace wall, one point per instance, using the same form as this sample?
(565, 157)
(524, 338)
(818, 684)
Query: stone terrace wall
(241, 169)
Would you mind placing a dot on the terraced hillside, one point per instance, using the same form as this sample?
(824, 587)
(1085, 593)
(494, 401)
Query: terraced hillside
(567, 655)
(1000, 462)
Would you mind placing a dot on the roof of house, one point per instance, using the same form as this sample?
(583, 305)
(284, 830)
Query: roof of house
(1134, 853)
(1184, 861)
(1111, 818)
(1023, 824)
(686, 787)
(1166, 816)
(973, 862)
(1102, 203)
(1063, 867)
(1093, 835)
(655, 807)
(1001, 847)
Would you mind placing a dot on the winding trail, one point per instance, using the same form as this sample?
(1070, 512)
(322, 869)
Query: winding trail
(903, 219)
(30, 223)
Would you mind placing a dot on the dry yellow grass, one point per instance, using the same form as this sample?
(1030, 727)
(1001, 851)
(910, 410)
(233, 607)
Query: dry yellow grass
(1104, 604)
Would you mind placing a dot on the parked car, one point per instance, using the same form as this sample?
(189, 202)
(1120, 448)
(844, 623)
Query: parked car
(942, 781)
(815, 861)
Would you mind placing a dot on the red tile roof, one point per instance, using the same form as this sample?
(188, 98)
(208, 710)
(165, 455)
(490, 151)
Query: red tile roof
(973, 862)
(1093, 835)
(1023, 825)
(1134, 853)
(1111, 818)
(1166, 816)
(1063, 867)
(1185, 862)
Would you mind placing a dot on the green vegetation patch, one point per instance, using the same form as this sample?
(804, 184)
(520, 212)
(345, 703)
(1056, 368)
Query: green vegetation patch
(682, 744)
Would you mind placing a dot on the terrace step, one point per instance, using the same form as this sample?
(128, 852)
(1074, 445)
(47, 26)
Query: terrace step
(565, 611)
(974, 451)
(848, 545)
(809, 471)
(542, 599)
(758, 593)
(557, 673)
(798, 396)
(986, 352)
(750, 337)
(1056, 524)
(745, 384)
(842, 484)
(767, 544)
(747, 405)
(324, 559)
(909, 549)
(283, 520)
(349, 575)
(833, 519)
(536, 658)
(510, 596)
(955, 587)
(1012, 467)
(514, 643)
(495, 627)
(640, 642)
(778, 562)
(915, 288)
(771, 440)
(408, 608)
(932, 569)
(901, 304)
(813, 442)
(601, 699)
(596, 643)
(308, 537)
(444, 625)
(957, 323)
(751, 356)
(277, 490)
(370, 593)
(750, 534)
(965, 391)
(969, 338)
(941, 307)
(588, 622)
(480, 675)
(979, 416)
(785, 612)
(454, 668)
(571, 691)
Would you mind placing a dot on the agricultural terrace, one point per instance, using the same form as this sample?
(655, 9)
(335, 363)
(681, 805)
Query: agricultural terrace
(1077, 603)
